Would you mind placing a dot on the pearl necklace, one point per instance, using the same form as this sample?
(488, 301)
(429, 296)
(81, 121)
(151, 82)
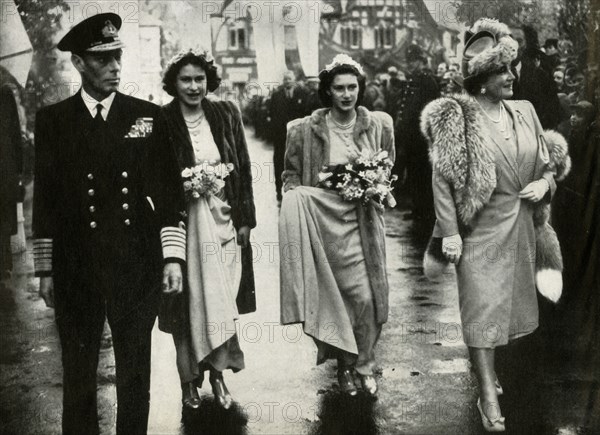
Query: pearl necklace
(502, 120)
(488, 115)
(342, 126)
(195, 122)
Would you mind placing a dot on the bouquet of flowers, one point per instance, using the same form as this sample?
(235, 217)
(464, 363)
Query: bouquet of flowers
(369, 178)
(205, 179)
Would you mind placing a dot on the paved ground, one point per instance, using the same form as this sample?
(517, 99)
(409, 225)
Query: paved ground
(426, 383)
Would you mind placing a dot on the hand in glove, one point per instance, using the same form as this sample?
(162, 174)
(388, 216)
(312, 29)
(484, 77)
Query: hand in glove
(452, 248)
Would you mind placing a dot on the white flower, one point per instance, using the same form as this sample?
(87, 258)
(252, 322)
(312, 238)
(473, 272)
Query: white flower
(186, 173)
(344, 59)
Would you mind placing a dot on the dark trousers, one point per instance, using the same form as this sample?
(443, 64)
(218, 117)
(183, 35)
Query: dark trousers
(80, 317)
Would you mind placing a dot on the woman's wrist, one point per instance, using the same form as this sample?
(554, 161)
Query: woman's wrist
(546, 183)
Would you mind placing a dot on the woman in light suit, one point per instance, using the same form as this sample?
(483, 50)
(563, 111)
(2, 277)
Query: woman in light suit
(492, 173)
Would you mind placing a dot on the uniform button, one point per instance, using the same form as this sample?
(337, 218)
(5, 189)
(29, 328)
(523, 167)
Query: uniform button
(124, 174)
(125, 191)
(92, 209)
(91, 192)
(125, 206)
(93, 224)
(90, 176)
(127, 222)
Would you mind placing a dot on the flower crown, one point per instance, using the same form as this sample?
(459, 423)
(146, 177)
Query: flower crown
(344, 59)
(198, 52)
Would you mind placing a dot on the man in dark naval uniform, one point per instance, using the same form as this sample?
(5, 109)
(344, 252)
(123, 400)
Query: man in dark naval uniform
(105, 195)
(413, 94)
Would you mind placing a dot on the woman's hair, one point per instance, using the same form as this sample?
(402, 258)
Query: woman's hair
(327, 76)
(474, 84)
(190, 58)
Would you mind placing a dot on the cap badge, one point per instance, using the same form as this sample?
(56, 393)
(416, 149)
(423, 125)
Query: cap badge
(109, 30)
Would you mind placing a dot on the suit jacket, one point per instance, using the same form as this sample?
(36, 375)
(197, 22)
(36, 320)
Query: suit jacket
(101, 198)
(226, 125)
(282, 110)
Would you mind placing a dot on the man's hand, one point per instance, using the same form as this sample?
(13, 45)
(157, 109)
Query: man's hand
(47, 290)
(172, 279)
(535, 190)
(452, 248)
(243, 236)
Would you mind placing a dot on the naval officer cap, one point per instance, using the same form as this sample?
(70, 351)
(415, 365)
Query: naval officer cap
(96, 34)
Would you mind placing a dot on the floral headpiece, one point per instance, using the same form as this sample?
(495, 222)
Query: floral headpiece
(198, 52)
(344, 59)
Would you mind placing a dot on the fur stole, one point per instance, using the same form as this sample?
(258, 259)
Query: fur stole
(452, 127)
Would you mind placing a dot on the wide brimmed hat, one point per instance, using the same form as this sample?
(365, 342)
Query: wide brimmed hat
(98, 33)
(488, 47)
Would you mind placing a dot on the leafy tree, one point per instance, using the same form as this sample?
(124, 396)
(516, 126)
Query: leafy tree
(42, 21)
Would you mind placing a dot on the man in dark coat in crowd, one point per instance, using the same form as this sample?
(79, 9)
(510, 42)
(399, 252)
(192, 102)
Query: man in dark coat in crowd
(552, 59)
(11, 166)
(313, 102)
(577, 201)
(576, 218)
(418, 89)
(288, 102)
(535, 84)
(103, 200)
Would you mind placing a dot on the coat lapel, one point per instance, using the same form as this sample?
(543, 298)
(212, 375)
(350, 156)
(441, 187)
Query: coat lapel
(523, 136)
(318, 125)
(512, 163)
(180, 135)
(363, 121)
(216, 122)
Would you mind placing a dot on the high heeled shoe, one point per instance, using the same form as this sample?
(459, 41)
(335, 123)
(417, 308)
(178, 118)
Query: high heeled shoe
(220, 391)
(369, 384)
(346, 381)
(189, 396)
(490, 425)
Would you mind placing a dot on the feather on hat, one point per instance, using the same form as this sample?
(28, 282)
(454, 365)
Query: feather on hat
(488, 47)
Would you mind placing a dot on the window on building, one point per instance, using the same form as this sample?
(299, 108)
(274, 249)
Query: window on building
(385, 36)
(351, 36)
(238, 36)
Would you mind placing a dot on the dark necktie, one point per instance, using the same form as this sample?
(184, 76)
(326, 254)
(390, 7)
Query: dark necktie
(98, 120)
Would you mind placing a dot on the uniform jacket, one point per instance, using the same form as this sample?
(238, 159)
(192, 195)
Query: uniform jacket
(226, 125)
(101, 198)
(307, 151)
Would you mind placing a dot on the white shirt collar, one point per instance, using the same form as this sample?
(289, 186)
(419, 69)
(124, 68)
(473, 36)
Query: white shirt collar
(91, 103)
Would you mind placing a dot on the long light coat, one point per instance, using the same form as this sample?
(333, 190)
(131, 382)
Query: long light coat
(307, 151)
(476, 183)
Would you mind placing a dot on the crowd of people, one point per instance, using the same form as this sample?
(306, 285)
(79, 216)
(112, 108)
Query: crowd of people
(127, 195)
(558, 82)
